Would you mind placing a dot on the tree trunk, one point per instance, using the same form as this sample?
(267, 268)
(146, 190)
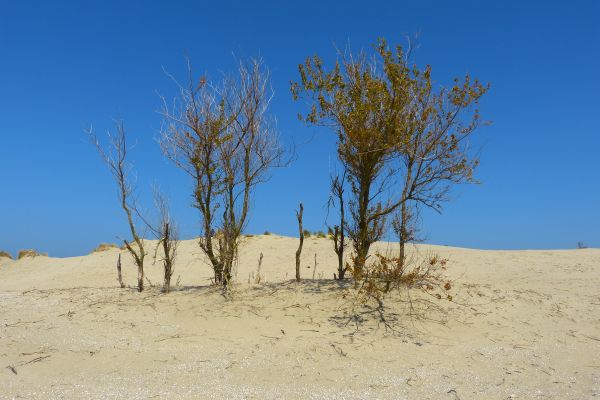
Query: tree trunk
(227, 272)
(167, 285)
(338, 243)
(299, 251)
(119, 274)
(403, 233)
(140, 279)
(363, 241)
(167, 258)
(340, 252)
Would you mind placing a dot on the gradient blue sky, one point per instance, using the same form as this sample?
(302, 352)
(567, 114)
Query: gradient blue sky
(67, 64)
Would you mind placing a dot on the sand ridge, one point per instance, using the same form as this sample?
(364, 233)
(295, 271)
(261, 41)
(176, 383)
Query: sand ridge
(524, 324)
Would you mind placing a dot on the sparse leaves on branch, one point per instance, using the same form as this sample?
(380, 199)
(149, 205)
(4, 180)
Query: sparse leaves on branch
(222, 135)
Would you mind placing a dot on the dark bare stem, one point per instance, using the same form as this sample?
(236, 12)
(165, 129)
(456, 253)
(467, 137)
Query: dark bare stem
(299, 251)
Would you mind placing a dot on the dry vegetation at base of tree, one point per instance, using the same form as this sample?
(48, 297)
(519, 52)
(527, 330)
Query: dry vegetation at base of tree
(388, 273)
(5, 254)
(104, 247)
(418, 286)
(30, 253)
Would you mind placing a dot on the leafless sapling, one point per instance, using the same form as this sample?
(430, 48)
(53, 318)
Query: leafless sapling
(301, 231)
(115, 158)
(337, 233)
(166, 233)
(119, 272)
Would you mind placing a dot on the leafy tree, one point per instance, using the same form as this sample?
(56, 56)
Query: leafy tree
(401, 140)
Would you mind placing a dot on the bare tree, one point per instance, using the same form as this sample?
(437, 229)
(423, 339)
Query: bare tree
(115, 157)
(224, 138)
(337, 233)
(301, 231)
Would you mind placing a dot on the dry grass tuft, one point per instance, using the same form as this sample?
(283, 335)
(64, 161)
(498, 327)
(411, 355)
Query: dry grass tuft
(5, 254)
(104, 247)
(30, 253)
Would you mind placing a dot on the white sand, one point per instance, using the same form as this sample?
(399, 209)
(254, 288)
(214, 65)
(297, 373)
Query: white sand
(526, 324)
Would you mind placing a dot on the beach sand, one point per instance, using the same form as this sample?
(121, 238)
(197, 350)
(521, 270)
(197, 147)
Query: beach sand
(522, 325)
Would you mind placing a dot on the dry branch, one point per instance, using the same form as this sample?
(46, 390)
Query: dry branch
(299, 251)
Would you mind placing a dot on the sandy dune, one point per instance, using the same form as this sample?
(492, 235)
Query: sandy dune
(524, 324)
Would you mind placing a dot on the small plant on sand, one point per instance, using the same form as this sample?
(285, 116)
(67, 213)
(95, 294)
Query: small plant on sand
(306, 233)
(5, 254)
(258, 277)
(30, 253)
(389, 275)
(104, 247)
(266, 233)
(165, 231)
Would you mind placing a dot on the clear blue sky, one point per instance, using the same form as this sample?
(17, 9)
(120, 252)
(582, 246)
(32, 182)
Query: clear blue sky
(67, 64)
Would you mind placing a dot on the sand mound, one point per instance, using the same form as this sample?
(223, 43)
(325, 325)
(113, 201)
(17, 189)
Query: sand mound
(522, 324)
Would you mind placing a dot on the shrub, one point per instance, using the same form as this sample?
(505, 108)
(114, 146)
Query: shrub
(104, 247)
(387, 273)
(306, 233)
(30, 253)
(267, 233)
(320, 234)
(5, 254)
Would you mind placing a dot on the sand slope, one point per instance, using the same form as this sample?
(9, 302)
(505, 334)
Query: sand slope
(524, 324)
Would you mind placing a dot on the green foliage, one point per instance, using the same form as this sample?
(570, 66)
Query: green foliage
(5, 254)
